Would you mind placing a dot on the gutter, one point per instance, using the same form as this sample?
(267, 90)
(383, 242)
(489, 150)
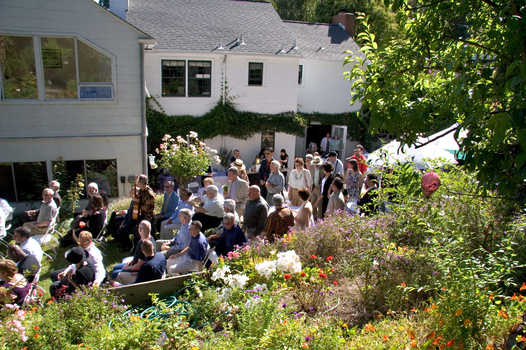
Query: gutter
(53, 137)
(144, 131)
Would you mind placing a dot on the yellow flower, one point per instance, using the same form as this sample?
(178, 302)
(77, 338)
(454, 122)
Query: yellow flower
(458, 313)
(195, 348)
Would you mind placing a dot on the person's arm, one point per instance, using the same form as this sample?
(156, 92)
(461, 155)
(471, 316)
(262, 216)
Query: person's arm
(136, 266)
(182, 252)
(100, 271)
(263, 214)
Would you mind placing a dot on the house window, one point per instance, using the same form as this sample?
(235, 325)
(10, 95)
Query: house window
(173, 78)
(17, 68)
(30, 179)
(7, 184)
(267, 140)
(255, 73)
(199, 78)
(300, 74)
(72, 69)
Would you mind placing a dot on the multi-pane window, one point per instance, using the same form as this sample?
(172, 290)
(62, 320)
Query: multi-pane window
(199, 78)
(60, 57)
(173, 78)
(255, 73)
(300, 74)
(17, 67)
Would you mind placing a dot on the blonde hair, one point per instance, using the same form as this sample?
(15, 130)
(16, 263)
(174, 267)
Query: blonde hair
(85, 235)
(8, 267)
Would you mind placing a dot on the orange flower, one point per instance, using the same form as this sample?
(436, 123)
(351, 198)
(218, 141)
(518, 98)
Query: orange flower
(437, 340)
(305, 345)
(36, 328)
(329, 258)
(403, 284)
(37, 335)
(431, 335)
(287, 276)
(414, 310)
(490, 347)
(450, 343)
(303, 274)
(515, 297)
(522, 339)
(502, 313)
(411, 334)
(414, 344)
(491, 297)
(458, 313)
(467, 322)
(50, 301)
(369, 328)
(322, 275)
(523, 287)
(314, 256)
(386, 338)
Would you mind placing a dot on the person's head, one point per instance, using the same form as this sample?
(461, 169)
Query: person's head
(274, 166)
(317, 161)
(184, 194)
(298, 163)
(85, 239)
(8, 269)
(332, 156)
(308, 159)
(328, 135)
(76, 255)
(337, 184)
(229, 220)
(169, 186)
(54, 185)
(233, 173)
(97, 202)
(371, 180)
(208, 181)
(358, 150)
(93, 189)
(353, 165)
(283, 152)
(15, 253)
(195, 228)
(430, 183)
(327, 168)
(144, 229)
(47, 195)
(268, 154)
(185, 216)
(254, 192)
(304, 195)
(142, 181)
(211, 191)
(147, 248)
(229, 205)
(278, 200)
(21, 234)
(237, 154)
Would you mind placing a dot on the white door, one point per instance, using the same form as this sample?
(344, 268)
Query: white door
(341, 132)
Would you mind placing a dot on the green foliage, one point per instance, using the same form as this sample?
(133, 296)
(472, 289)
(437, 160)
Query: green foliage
(71, 199)
(453, 62)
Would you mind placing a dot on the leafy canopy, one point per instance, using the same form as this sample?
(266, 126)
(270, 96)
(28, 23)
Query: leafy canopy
(453, 62)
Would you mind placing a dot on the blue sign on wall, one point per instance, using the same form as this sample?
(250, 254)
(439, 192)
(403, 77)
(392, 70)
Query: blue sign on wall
(96, 92)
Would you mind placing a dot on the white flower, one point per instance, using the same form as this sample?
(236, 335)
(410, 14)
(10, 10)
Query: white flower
(260, 288)
(193, 149)
(180, 140)
(266, 268)
(224, 293)
(220, 273)
(216, 159)
(289, 261)
(166, 137)
(175, 147)
(237, 280)
(192, 135)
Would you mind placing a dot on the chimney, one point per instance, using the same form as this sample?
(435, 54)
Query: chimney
(119, 7)
(346, 19)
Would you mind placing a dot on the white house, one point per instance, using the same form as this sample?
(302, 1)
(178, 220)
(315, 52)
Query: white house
(71, 96)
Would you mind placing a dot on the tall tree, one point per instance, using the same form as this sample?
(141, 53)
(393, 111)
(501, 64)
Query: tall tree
(454, 62)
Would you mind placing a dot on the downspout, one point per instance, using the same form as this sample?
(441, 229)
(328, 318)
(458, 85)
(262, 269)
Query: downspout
(224, 92)
(144, 130)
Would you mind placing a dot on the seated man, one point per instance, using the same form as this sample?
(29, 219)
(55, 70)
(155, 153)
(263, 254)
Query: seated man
(173, 223)
(190, 259)
(82, 274)
(154, 264)
(23, 238)
(211, 213)
(94, 258)
(256, 212)
(182, 240)
(279, 221)
(231, 236)
(170, 202)
(126, 273)
(27, 264)
(46, 215)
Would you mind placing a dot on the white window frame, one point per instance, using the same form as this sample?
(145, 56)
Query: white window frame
(39, 70)
(186, 76)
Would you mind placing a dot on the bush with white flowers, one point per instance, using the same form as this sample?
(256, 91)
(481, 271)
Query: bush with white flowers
(288, 262)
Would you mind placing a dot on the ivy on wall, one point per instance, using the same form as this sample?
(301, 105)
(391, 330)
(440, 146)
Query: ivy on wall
(224, 119)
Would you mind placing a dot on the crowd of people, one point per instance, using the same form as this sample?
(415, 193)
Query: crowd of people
(190, 224)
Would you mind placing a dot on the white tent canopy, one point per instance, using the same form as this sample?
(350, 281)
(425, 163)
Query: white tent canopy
(442, 150)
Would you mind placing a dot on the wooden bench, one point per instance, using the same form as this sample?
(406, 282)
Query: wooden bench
(138, 293)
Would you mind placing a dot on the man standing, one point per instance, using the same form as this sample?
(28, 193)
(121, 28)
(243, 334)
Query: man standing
(316, 173)
(324, 145)
(336, 201)
(336, 164)
(256, 212)
(237, 190)
(368, 203)
(47, 214)
(264, 170)
(235, 155)
(360, 158)
(170, 202)
(279, 221)
(325, 186)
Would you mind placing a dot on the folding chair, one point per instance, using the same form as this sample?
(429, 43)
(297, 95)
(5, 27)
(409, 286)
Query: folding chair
(48, 237)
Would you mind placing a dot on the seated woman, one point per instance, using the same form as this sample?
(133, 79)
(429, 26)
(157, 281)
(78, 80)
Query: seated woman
(92, 222)
(14, 286)
(82, 275)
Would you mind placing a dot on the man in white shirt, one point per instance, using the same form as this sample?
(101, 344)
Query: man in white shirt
(23, 238)
(46, 215)
(324, 145)
(237, 190)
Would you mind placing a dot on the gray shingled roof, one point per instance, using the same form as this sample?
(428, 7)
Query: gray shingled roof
(202, 25)
(322, 40)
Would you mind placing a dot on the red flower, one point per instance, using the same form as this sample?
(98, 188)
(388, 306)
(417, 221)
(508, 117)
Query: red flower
(335, 283)
(329, 258)
(36, 328)
(82, 224)
(37, 335)
(303, 274)
(287, 276)
(322, 275)
(450, 343)
(314, 256)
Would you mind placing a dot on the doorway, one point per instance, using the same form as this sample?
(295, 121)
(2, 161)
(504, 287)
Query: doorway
(314, 135)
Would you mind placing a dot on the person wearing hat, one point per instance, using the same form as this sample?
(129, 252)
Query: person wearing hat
(238, 163)
(83, 274)
(279, 221)
(316, 174)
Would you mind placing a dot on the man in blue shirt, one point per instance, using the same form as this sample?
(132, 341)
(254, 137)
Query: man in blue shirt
(190, 258)
(170, 202)
(173, 223)
(154, 264)
(231, 236)
(182, 240)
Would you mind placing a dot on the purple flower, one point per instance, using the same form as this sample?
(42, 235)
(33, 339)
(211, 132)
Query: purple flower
(284, 305)
(307, 338)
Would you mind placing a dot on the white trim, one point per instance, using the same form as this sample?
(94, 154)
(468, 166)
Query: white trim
(39, 67)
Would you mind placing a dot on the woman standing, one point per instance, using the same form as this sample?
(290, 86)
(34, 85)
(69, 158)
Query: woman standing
(284, 162)
(353, 181)
(275, 182)
(299, 179)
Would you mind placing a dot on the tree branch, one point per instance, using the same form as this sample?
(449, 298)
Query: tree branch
(437, 137)
(415, 8)
(472, 43)
(492, 4)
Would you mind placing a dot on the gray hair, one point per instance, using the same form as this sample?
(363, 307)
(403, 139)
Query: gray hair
(93, 185)
(54, 183)
(278, 200)
(255, 187)
(229, 205)
(146, 225)
(230, 217)
(212, 188)
(276, 163)
(233, 170)
(186, 212)
(48, 190)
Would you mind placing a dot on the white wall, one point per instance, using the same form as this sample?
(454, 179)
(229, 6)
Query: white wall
(277, 94)
(324, 88)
